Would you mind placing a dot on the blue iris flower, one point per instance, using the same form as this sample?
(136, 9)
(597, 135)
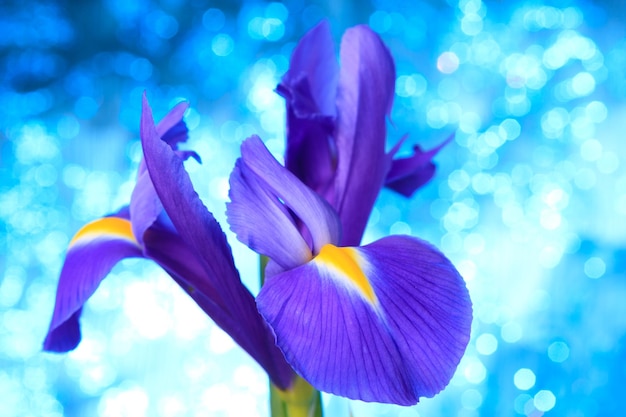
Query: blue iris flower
(385, 322)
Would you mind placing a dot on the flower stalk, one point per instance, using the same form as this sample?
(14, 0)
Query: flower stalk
(301, 400)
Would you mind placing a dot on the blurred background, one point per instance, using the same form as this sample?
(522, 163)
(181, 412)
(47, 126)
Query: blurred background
(529, 201)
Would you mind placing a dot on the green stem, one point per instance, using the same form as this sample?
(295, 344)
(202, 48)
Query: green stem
(299, 400)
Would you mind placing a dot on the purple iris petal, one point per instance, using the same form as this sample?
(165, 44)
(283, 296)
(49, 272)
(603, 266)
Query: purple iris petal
(168, 249)
(199, 229)
(408, 174)
(314, 58)
(315, 213)
(94, 251)
(172, 129)
(262, 222)
(145, 206)
(366, 89)
(310, 88)
(387, 322)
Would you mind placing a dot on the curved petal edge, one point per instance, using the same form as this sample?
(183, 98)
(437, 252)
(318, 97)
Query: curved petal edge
(398, 344)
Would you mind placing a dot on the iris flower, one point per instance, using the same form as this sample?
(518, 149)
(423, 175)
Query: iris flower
(184, 239)
(385, 322)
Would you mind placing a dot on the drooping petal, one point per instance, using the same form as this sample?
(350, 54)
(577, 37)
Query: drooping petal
(409, 174)
(92, 253)
(201, 232)
(387, 322)
(309, 89)
(365, 96)
(320, 219)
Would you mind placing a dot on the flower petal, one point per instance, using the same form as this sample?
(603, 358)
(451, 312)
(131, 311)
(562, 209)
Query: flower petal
(172, 129)
(310, 88)
(314, 59)
(409, 174)
(145, 206)
(92, 253)
(366, 89)
(201, 232)
(262, 222)
(387, 322)
(320, 219)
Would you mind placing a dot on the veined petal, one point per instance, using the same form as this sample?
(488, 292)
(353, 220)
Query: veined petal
(387, 322)
(366, 89)
(92, 253)
(320, 219)
(407, 175)
(205, 239)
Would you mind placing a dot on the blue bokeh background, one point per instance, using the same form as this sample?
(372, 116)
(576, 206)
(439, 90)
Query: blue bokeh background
(529, 201)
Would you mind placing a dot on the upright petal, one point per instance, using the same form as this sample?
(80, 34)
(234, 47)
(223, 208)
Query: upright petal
(172, 129)
(409, 174)
(145, 206)
(314, 59)
(366, 89)
(92, 253)
(199, 229)
(309, 89)
(262, 222)
(317, 216)
(387, 322)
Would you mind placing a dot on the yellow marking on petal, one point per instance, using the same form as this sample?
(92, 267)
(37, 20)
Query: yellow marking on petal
(114, 227)
(347, 261)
